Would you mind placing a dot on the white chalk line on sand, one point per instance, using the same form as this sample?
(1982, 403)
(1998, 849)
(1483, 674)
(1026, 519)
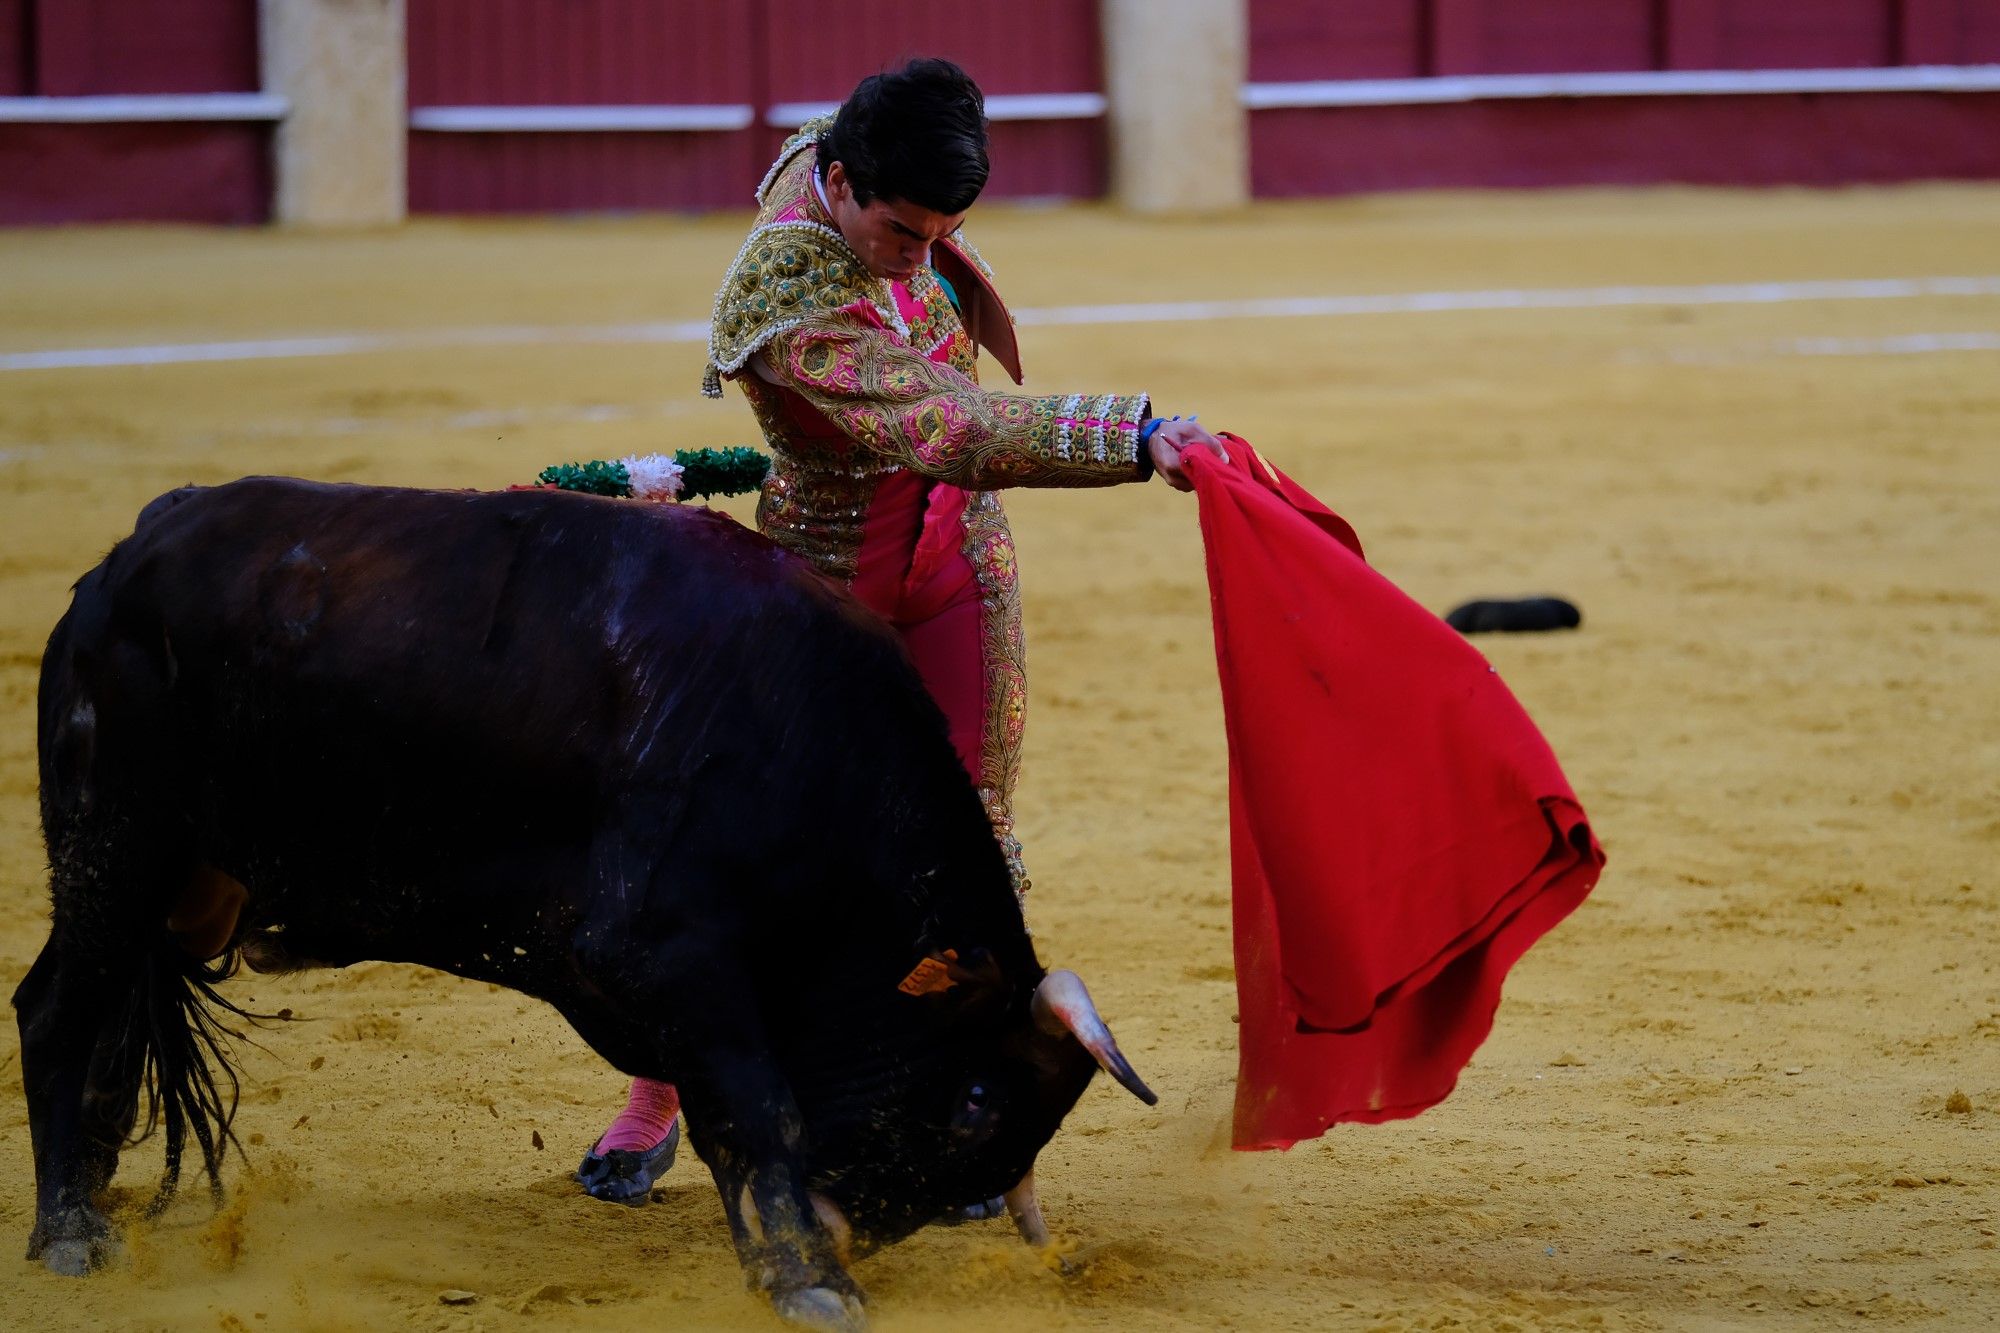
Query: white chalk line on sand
(1154, 312)
(1899, 344)
(569, 414)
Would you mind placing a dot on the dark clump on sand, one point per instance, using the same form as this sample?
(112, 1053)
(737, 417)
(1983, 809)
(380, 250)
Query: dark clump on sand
(1514, 616)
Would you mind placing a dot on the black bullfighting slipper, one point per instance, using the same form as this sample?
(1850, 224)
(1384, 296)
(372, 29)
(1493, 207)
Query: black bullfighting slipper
(621, 1175)
(976, 1212)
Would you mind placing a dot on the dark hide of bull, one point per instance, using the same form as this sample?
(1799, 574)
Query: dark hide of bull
(632, 760)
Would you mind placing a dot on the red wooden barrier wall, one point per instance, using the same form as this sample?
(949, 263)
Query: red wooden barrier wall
(578, 52)
(758, 53)
(1016, 46)
(1754, 140)
(1295, 43)
(1757, 140)
(86, 47)
(1821, 34)
(1542, 36)
(1300, 40)
(188, 171)
(14, 52)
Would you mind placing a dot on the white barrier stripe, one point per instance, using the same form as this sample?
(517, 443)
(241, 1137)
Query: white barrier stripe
(791, 115)
(573, 119)
(1046, 106)
(1162, 312)
(999, 106)
(1636, 83)
(142, 107)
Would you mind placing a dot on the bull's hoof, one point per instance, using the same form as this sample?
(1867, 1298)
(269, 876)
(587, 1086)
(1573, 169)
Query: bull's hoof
(821, 1307)
(623, 1176)
(73, 1243)
(76, 1258)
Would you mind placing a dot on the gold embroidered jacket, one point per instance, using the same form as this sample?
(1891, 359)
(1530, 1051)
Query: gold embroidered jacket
(872, 378)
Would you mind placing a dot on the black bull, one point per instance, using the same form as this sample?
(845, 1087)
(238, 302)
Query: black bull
(632, 760)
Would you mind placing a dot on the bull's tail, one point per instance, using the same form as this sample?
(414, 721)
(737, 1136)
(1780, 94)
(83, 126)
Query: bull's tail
(176, 1032)
(122, 1029)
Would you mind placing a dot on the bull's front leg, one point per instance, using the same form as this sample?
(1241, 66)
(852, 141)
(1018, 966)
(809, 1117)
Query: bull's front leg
(666, 994)
(745, 1124)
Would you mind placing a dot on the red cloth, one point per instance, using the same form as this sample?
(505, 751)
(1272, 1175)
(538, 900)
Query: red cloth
(1400, 832)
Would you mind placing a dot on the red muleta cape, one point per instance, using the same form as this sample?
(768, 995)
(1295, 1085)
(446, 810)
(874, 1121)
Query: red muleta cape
(1400, 832)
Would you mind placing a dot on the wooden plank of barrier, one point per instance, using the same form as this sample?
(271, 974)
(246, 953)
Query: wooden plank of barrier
(14, 52)
(1927, 32)
(1693, 36)
(85, 48)
(65, 53)
(1300, 40)
(1455, 32)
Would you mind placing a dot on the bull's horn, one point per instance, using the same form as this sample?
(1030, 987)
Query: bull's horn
(1063, 1005)
(1026, 1210)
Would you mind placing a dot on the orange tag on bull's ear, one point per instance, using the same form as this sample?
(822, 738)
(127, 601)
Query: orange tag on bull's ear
(931, 976)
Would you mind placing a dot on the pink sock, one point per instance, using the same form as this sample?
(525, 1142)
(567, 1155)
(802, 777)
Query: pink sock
(648, 1115)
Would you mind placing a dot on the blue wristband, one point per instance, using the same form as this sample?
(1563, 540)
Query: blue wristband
(1152, 424)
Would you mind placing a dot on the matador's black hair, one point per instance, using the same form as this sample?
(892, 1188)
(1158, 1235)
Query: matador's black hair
(915, 134)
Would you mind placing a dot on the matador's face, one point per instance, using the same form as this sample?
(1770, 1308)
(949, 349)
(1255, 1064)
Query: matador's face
(893, 237)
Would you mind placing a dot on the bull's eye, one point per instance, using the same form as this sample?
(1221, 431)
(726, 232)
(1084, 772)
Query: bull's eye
(973, 1119)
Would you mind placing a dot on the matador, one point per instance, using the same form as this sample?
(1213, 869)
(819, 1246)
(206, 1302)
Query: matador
(852, 320)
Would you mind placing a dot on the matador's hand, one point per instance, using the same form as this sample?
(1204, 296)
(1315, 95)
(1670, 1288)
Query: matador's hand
(1171, 439)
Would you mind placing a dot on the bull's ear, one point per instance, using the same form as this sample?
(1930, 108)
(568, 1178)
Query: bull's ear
(975, 967)
(971, 978)
(982, 986)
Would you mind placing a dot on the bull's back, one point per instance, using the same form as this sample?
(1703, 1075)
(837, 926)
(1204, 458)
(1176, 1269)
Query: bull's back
(364, 650)
(512, 600)
(449, 602)
(342, 685)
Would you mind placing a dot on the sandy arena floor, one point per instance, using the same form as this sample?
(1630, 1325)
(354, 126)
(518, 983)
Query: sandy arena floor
(1725, 1094)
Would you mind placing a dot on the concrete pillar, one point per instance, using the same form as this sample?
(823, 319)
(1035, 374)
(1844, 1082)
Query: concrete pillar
(341, 151)
(1174, 72)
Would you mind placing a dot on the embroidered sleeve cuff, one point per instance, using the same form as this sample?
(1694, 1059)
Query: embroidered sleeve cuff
(1102, 430)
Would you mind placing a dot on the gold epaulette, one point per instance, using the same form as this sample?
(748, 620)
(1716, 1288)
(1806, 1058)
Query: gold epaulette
(806, 134)
(787, 274)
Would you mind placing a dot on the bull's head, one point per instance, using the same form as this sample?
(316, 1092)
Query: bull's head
(967, 1124)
